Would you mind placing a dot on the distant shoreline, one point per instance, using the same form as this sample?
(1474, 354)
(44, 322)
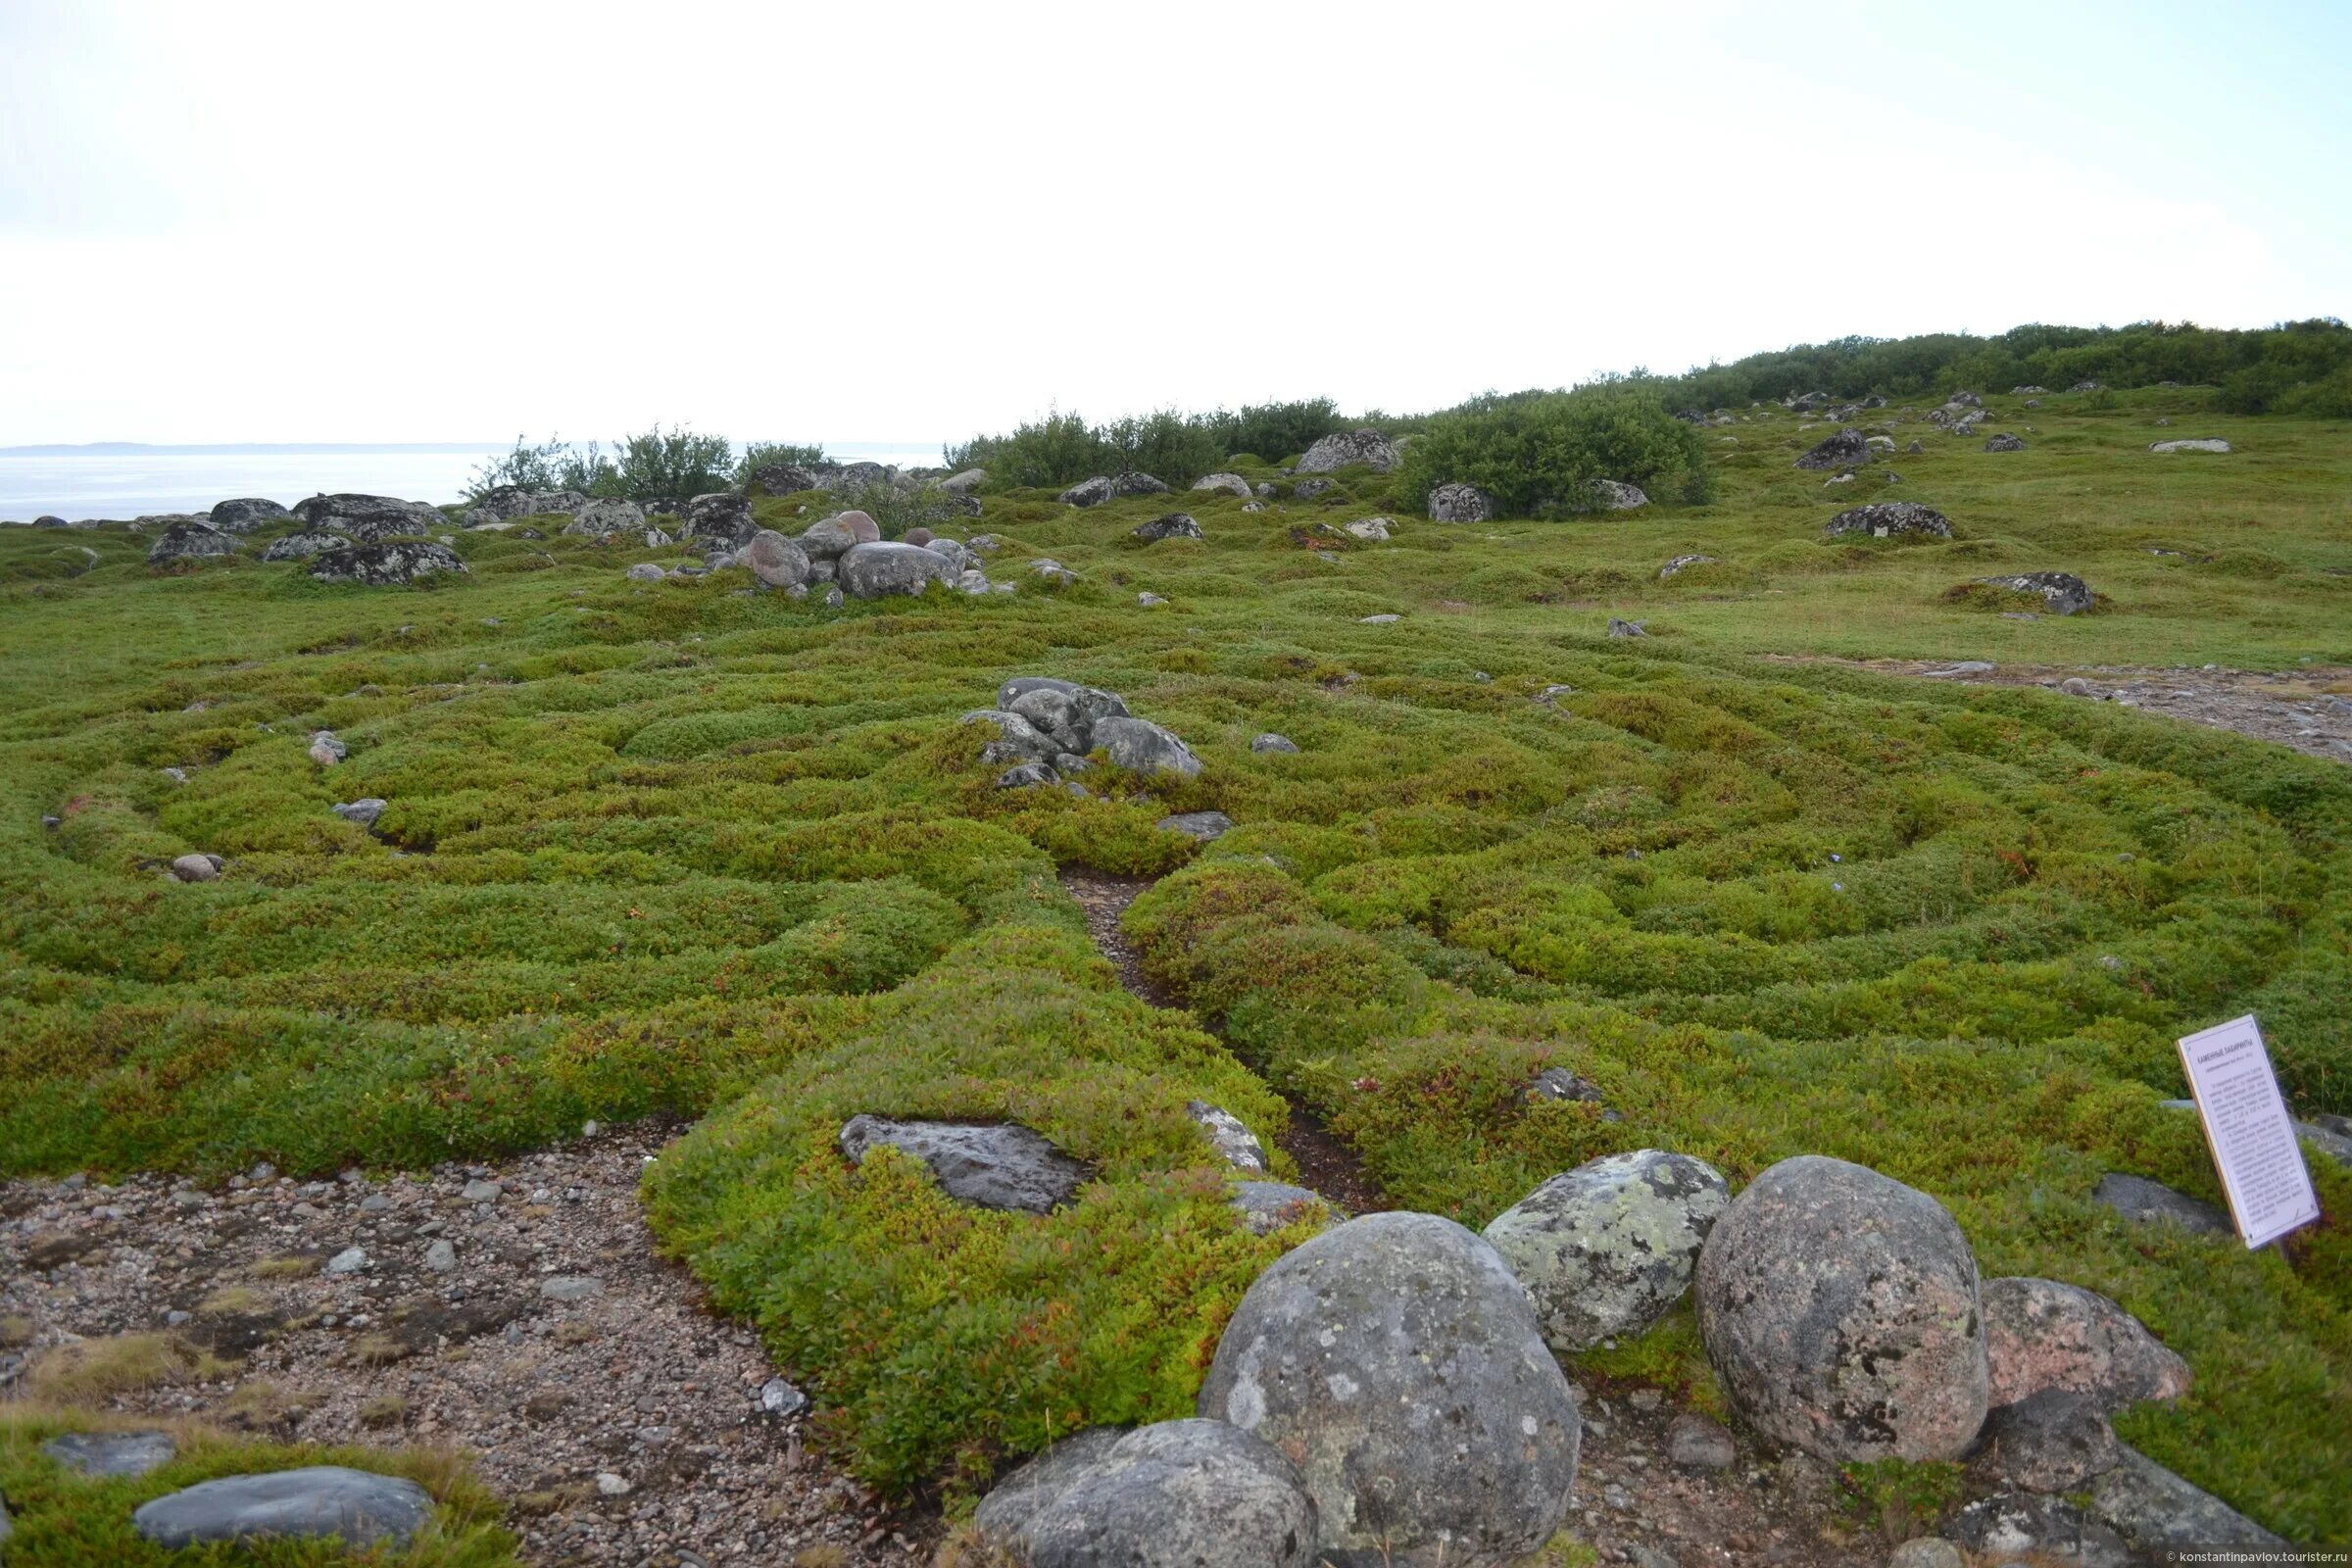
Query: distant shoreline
(136, 449)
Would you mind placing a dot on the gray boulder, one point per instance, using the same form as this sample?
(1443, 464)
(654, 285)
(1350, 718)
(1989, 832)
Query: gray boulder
(190, 540)
(361, 812)
(364, 1508)
(1228, 1135)
(844, 477)
(1143, 747)
(1175, 525)
(1395, 1359)
(1231, 483)
(1088, 492)
(965, 483)
(303, 546)
(365, 519)
(870, 571)
(1111, 487)
(2065, 593)
(1695, 1442)
(112, 1454)
(991, 1166)
(2050, 1441)
(775, 559)
(609, 517)
(1309, 489)
(2041, 1334)
(1004, 1515)
(1558, 1083)
(1841, 1310)
(2193, 445)
(951, 551)
(1267, 1207)
(502, 503)
(1201, 826)
(647, 571)
(246, 514)
(386, 563)
(2005, 443)
(2149, 1203)
(1177, 1495)
(783, 478)
(1271, 742)
(1017, 740)
(1612, 495)
(1847, 449)
(1890, 519)
(1350, 449)
(1681, 562)
(1028, 775)
(1608, 1247)
(721, 518)
(2158, 1512)
(197, 867)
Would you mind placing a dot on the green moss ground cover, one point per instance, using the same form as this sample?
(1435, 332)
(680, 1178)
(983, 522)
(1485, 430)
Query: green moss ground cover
(686, 848)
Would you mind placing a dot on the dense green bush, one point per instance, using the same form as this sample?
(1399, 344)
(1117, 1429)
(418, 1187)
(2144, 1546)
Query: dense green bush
(757, 455)
(1539, 454)
(1176, 448)
(656, 465)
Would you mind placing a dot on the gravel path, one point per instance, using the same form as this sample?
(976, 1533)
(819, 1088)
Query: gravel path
(515, 1312)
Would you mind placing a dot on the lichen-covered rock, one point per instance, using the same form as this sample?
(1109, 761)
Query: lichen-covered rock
(783, 478)
(647, 571)
(1684, 563)
(2159, 1512)
(2149, 1203)
(1841, 1308)
(361, 812)
(871, 572)
(1004, 1515)
(1614, 495)
(303, 546)
(989, 1165)
(386, 563)
(364, 1508)
(2005, 443)
(965, 483)
(1175, 525)
(2193, 444)
(1201, 826)
(1891, 519)
(1231, 483)
(1267, 1207)
(1017, 740)
(723, 517)
(2065, 593)
(1348, 449)
(775, 559)
(831, 538)
(246, 514)
(2041, 1334)
(2042, 1530)
(327, 748)
(1111, 487)
(1271, 742)
(1558, 1083)
(1395, 1360)
(1371, 529)
(1607, 1247)
(1171, 1496)
(365, 519)
(609, 517)
(1231, 1139)
(1846, 449)
(190, 540)
(1143, 747)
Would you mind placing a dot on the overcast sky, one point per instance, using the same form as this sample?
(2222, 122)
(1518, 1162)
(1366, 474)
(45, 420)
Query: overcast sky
(235, 221)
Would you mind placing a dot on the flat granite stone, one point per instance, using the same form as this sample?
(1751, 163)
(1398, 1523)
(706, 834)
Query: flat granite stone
(362, 1507)
(112, 1454)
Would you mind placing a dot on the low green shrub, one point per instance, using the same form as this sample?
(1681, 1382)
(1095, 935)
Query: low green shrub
(1541, 454)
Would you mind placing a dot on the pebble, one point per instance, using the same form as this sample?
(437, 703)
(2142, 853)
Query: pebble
(350, 1260)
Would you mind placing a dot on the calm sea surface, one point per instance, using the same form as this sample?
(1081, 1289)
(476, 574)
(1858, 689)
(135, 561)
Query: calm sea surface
(89, 485)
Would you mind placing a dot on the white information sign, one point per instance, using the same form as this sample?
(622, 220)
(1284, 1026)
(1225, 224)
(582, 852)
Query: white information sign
(2248, 1130)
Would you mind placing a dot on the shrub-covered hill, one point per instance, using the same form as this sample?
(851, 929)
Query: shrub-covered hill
(686, 846)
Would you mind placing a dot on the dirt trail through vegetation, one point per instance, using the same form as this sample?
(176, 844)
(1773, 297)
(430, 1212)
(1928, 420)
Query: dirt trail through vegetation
(1325, 1164)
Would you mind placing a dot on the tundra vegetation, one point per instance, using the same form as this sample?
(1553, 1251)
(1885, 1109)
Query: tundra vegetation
(685, 847)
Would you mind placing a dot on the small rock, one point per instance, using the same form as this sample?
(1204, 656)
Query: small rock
(1695, 1442)
(196, 868)
(2065, 593)
(326, 750)
(610, 1484)
(780, 1399)
(365, 813)
(648, 571)
(1267, 1207)
(1460, 503)
(1149, 601)
(1375, 529)
(113, 1455)
(1927, 1551)
(2191, 445)
(994, 1165)
(571, 1287)
(1271, 742)
(350, 1260)
(1891, 519)
(1202, 826)
(1380, 620)
(1625, 628)
(2149, 1203)
(1684, 563)
(441, 1258)
(1844, 450)
(1614, 495)
(1229, 1136)
(2004, 443)
(1175, 525)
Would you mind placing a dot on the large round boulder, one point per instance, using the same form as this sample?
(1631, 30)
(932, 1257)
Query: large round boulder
(1178, 1494)
(1890, 519)
(831, 538)
(1395, 1360)
(2042, 1334)
(1841, 1308)
(1141, 747)
(1846, 450)
(1607, 1247)
(1231, 483)
(366, 518)
(723, 517)
(870, 571)
(303, 545)
(2065, 593)
(1350, 449)
(247, 513)
(607, 517)
(775, 559)
(190, 540)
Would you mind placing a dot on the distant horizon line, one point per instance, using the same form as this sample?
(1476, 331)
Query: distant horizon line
(69, 448)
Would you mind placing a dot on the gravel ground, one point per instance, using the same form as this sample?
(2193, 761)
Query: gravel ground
(2310, 709)
(515, 1312)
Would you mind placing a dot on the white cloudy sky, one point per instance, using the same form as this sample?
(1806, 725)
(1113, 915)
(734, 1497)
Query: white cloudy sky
(238, 222)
